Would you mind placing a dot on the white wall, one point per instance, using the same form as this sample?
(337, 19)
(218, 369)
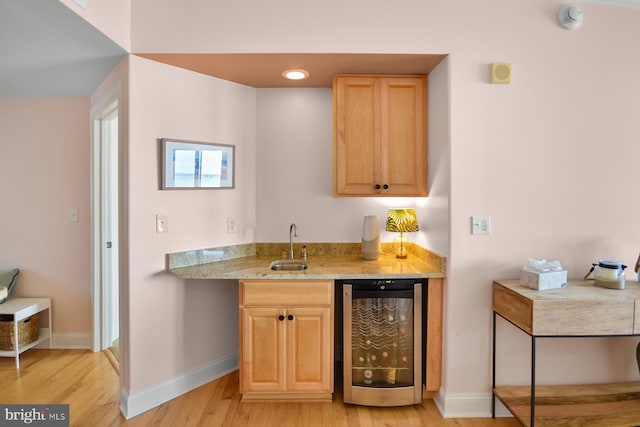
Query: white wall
(434, 216)
(551, 157)
(111, 17)
(294, 134)
(114, 88)
(178, 326)
(44, 171)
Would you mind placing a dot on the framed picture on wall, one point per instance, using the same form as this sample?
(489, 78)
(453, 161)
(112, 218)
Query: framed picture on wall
(197, 165)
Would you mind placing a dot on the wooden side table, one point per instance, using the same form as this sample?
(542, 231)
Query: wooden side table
(20, 309)
(579, 310)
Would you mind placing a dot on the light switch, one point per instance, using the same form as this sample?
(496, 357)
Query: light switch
(162, 223)
(72, 215)
(480, 225)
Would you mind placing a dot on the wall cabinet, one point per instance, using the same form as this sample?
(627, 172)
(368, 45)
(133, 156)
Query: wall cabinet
(286, 339)
(379, 135)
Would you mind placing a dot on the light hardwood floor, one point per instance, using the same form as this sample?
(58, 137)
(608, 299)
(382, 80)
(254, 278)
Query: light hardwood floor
(89, 384)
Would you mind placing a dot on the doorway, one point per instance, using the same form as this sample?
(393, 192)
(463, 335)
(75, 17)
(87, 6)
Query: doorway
(105, 231)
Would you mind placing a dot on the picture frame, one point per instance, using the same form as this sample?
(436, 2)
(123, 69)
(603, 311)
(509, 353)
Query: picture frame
(197, 165)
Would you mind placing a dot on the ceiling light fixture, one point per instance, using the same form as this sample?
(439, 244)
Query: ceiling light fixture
(296, 74)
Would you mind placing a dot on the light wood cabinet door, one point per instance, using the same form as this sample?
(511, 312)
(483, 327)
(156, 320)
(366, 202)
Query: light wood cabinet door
(380, 136)
(286, 342)
(403, 161)
(356, 121)
(309, 350)
(263, 349)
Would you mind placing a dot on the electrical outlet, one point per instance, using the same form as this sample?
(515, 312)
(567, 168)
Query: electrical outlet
(232, 225)
(162, 223)
(480, 225)
(72, 215)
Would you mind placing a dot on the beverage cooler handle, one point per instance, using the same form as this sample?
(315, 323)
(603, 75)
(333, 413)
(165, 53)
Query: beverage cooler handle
(358, 294)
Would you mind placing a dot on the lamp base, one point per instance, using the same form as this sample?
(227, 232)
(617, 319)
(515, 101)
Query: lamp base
(401, 246)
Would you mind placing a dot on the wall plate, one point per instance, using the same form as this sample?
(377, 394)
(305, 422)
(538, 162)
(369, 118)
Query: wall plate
(162, 223)
(480, 225)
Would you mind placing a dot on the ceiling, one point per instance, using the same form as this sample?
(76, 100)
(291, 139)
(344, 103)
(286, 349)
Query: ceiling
(47, 50)
(263, 70)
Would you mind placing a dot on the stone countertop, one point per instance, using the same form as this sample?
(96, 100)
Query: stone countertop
(326, 261)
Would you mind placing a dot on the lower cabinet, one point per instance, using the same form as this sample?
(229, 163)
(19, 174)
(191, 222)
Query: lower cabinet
(286, 339)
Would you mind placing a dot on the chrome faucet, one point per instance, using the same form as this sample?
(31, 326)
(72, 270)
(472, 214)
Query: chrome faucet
(293, 232)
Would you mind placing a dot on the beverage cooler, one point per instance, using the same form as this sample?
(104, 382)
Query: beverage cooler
(383, 341)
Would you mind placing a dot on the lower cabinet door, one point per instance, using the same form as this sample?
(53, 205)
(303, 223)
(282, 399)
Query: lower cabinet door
(263, 349)
(309, 349)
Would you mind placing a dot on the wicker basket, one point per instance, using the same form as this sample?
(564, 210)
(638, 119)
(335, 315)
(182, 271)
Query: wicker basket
(28, 331)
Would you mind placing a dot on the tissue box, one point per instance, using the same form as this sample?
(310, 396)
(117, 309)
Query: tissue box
(544, 281)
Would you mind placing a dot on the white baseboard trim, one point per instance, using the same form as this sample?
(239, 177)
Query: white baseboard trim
(468, 405)
(72, 340)
(132, 404)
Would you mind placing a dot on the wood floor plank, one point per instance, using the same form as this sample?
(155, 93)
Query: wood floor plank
(89, 384)
(605, 405)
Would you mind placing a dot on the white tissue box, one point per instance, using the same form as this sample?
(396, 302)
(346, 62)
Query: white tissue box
(543, 281)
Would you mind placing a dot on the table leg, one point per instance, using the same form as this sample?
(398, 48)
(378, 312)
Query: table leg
(50, 328)
(493, 370)
(15, 343)
(533, 381)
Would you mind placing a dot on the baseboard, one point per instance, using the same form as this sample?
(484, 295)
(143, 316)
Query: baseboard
(468, 405)
(132, 404)
(69, 340)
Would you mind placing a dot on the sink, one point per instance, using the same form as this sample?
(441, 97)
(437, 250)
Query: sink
(288, 264)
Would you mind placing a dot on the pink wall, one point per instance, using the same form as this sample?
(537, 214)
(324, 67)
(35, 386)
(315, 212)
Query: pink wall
(177, 326)
(116, 88)
(551, 157)
(44, 171)
(294, 143)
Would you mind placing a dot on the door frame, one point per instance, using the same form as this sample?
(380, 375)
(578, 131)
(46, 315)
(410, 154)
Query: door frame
(98, 294)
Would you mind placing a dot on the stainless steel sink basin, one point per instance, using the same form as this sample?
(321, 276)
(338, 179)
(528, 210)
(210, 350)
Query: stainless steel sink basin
(288, 264)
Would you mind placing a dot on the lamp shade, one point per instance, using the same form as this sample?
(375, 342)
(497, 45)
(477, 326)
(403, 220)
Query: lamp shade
(402, 220)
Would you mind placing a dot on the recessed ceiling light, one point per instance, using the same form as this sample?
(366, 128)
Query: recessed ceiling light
(297, 74)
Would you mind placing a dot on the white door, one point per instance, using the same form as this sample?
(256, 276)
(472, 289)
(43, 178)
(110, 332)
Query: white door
(105, 228)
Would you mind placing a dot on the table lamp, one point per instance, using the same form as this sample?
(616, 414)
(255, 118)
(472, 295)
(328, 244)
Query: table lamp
(402, 221)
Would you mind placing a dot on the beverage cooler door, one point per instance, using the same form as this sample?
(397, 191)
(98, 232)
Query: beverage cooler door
(382, 344)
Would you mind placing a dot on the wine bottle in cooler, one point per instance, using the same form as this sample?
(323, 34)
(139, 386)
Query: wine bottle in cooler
(393, 365)
(368, 371)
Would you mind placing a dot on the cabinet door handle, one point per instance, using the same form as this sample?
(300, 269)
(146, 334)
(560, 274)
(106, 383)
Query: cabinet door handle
(290, 317)
(377, 186)
(281, 317)
(386, 187)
